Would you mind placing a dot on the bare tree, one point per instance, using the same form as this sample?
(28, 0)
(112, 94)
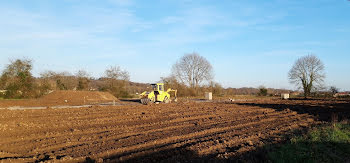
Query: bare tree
(82, 74)
(334, 90)
(193, 69)
(117, 80)
(307, 73)
(116, 73)
(83, 79)
(60, 80)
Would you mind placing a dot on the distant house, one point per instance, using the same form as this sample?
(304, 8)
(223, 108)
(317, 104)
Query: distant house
(342, 94)
(285, 96)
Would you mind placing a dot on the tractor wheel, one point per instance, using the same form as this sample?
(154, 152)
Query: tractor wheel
(145, 101)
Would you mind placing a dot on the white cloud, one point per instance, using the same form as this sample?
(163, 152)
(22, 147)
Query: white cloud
(122, 2)
(285, 53)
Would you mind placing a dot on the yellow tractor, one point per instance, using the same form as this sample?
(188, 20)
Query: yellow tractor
(157, 94)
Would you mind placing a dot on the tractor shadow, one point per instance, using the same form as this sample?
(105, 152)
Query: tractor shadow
(130, 100)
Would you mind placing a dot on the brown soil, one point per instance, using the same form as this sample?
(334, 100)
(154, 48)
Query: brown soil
(178, 132)
(322, 109)
(57, 98)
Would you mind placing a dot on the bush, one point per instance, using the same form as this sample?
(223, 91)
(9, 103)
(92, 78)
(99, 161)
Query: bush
(262, 91)
(17, 79)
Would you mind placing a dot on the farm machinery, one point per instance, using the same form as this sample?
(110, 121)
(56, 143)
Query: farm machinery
(158, 94)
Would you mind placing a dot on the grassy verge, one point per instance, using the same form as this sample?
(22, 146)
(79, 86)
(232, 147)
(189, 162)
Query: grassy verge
(327, 143)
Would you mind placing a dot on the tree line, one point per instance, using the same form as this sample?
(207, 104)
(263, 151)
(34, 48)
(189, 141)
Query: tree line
(191, 75)
(18, 82)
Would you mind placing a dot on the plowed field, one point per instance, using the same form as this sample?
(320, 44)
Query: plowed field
(164, 132)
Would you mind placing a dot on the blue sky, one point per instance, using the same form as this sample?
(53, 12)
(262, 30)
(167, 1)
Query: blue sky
(249, 43)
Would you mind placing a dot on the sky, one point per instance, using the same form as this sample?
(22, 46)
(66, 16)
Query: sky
(249, 43)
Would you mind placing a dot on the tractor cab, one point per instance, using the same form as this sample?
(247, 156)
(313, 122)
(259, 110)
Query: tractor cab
(158, 87)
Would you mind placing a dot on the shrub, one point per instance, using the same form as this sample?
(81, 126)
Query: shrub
(262, 91)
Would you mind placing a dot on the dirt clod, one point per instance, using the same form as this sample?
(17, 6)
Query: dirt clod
(250, 143)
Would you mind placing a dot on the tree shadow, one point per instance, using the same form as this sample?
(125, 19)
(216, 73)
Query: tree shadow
(181, 154)
(306, 151)
(272, 151)
(326, 110)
